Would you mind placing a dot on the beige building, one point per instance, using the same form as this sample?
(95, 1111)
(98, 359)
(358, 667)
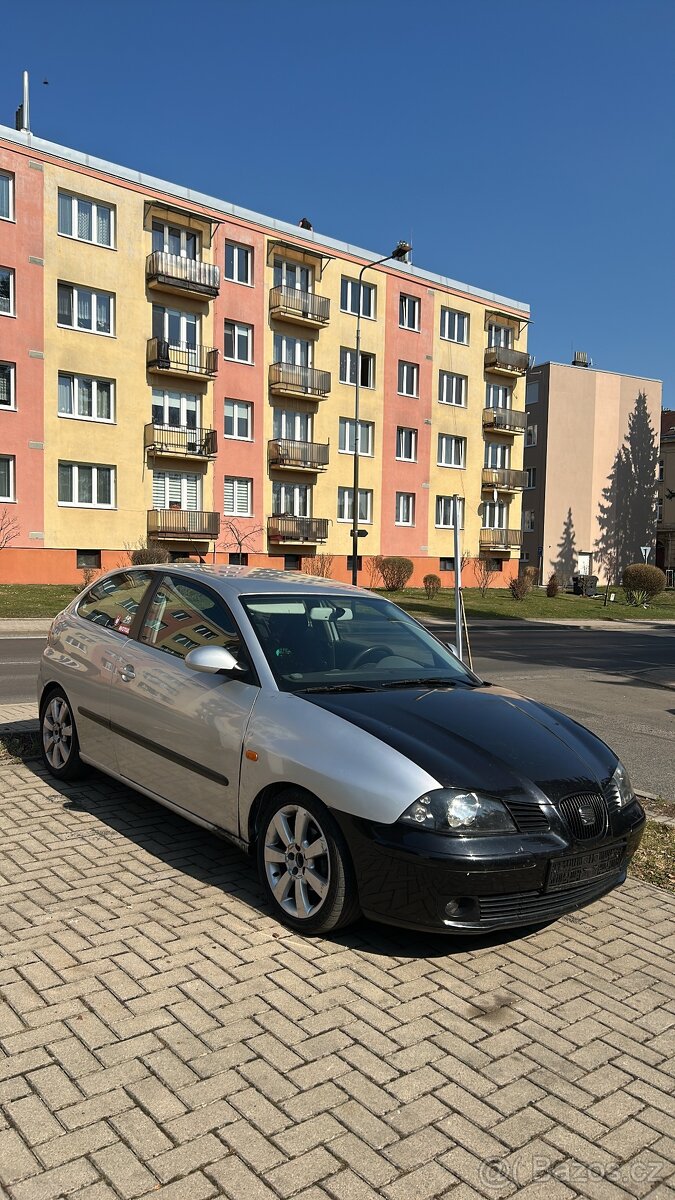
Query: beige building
(665, 498)
(590, 460)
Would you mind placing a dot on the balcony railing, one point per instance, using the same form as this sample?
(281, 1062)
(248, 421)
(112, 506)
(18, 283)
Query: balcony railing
(307, 456)
(503, 479)
(287, 379)
(183, 524)
(181, 359)
(506, 361)
(500, 539)
(297, 529)
(306, 308)
(171, 272)
(179, 441)
(505, 420)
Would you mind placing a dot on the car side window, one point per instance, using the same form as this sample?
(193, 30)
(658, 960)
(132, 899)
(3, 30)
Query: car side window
(182, 615)
(113, 602)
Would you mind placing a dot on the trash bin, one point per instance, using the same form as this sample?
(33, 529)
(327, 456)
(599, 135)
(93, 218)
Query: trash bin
(578, 584)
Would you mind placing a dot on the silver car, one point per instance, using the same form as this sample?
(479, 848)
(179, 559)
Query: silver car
(322, 728)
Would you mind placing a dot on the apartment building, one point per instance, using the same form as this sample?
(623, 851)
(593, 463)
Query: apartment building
(590, 456)
(665, 499)
(175, 368)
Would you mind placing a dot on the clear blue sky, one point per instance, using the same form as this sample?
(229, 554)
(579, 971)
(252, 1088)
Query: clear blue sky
(526, 148)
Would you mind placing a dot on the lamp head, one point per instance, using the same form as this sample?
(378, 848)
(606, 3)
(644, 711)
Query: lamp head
(401, 251)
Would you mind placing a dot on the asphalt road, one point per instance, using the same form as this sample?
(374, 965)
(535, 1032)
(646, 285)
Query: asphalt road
(621, 684)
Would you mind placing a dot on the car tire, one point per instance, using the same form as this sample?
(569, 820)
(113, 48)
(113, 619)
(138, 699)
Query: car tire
(313, 893)
(59, 742)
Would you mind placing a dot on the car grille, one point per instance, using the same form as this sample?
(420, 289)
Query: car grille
(528, 817)
(594, 809)
(535, 906)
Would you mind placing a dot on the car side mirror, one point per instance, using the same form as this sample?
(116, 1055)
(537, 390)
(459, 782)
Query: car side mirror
(452, 648)
(212, 659)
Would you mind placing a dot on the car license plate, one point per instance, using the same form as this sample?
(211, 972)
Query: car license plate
(594, 863)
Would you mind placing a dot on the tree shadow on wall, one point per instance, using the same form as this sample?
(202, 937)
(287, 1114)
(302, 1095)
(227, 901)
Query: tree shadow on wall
(627, 512)
(566, 563)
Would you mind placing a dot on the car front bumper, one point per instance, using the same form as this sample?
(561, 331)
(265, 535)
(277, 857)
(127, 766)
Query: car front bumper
(419, 880)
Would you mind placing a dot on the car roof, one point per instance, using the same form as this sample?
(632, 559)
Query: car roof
(251, 580)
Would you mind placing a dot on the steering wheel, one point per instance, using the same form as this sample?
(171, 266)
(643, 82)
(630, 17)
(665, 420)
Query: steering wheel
(363, 655)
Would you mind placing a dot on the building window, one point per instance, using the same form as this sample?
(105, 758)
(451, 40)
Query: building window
(348, 368)
(292, 562)
(238, 263)
(445, 512)
(496, 564)
(408, 378)
(291, 499)
(238, 497)
(524, 556)
(176, 410)
(292, 424)
(6, 196)
(528, 520)
(659, 509)
(238, 558)
(292, 350)
(349, 297)
(408, 312)
(497, 395)
(405, 508)
(500, 335)
(660, 474)
(86, 398)
(530, 477)
(86, 220)
(446, 564)
(451, 450)
(293, 275)
(452, 389)
(350, 562)
(345, 506)
(172, 239)
(238, 342)
(7, 465)
(239, 420)
(83, 309)
(6, 292)
(83, 485)
(406, 444)
(346, 436)
(497, 456)
(531, 435)
(7, 385)
(176, 489)
(88, 560)
(495, 515)
(532, 393)
(454, 325)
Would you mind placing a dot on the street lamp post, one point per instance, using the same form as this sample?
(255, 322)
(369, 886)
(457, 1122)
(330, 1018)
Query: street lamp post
(398, 253)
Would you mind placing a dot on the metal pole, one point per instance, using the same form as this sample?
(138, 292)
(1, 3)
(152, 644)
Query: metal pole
(26, 105)
(458, 577)
(357, 444)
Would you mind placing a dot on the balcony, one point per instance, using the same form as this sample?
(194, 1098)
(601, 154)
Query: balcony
(287, 379)
(302, 308)
(504, 420)
(297, 529)
(183, 524)
(502, 360)
(503, 479)
(182, 276)
(177, 441)
(297, 456)
(181, 360)
(500, 539)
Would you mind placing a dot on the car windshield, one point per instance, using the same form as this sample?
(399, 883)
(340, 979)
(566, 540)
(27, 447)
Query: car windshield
(318, 642)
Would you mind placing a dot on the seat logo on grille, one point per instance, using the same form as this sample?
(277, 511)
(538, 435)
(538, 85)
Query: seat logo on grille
(586, 814)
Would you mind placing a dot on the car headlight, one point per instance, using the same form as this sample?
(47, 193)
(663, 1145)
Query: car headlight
(623, 785)
(452, 811)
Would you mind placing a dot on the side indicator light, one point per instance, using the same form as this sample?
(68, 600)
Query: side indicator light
(251, 755)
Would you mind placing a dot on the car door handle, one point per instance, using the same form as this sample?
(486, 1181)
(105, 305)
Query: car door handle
(127, 673)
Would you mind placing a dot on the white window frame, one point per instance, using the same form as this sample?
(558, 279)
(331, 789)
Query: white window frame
(499, 392)
(409, 312)
(345, 505)
(405, 500)
(450, 325)
(11, 497)
(239, 329)
(241, 253)
(75, 381)
(346, 438)
(495, 514)
(11, 311)
(452, 388)
(500, 336)
(530, 478)
(347, 373)
(10, 179)
(448, 502)
(239, 408)
(350, 293)
(95, 468)
(11, 407)
(406, 439)
(408, 373)
(295, 419)
(242, 496)
(531, 435)
(500, 451)
(183, 477)
(293, 275)
(292, 350)
(165, 396)
(75, 200)
(295, 493)
(457, 451)
(166, 228)
(528, 520)
(94, 297)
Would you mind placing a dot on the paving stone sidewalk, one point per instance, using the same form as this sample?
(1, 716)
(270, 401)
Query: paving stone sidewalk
(162, 1036)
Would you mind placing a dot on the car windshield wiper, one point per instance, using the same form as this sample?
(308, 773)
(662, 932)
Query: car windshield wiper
(336, 687)
(427, 681)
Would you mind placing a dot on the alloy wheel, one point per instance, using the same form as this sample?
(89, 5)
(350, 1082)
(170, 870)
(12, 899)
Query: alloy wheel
(297, 861)
(57, 732)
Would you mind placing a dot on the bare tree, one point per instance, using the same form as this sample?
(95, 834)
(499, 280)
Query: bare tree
(374, 568)
(319, 564)
(9, 528)
(485, 570)
(239, 537)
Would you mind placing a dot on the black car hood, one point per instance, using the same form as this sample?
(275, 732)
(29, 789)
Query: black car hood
(485, 738)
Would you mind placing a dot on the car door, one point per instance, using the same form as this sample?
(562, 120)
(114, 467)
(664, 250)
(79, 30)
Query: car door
(177, 732)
